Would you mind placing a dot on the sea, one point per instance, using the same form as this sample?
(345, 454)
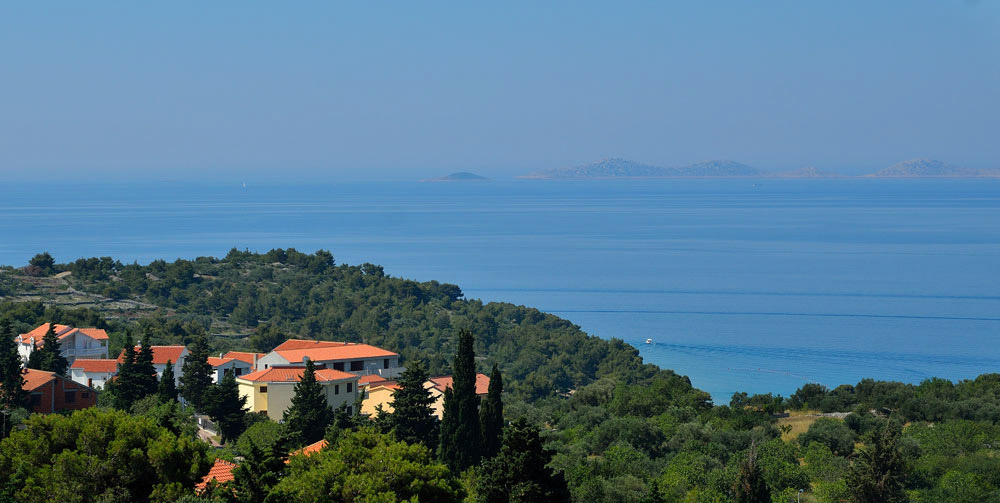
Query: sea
(755, 285)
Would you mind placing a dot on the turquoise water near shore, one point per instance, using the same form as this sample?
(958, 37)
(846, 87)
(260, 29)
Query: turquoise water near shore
(750, 285)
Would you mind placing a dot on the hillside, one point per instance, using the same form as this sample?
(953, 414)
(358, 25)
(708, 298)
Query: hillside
(624, 168)
(254, 301)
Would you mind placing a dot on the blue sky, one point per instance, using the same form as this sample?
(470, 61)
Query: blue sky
(408, 90)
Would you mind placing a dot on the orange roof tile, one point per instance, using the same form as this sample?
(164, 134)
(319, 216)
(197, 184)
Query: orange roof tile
(310, 449)
(444, 382)
(305, 344)
(243, 356)
(217, 362)
(161, 354)
(221, 471)
(62, 331)
(95, 365)
(294, 374)
(371, 379)
(342, 352)
(34, 379)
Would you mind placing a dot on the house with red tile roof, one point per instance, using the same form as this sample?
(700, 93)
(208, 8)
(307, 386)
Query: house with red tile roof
(379, 393)
(48, 392)
(271, 390)
(222, 366)
(221, 472)
(162, 355)
(73, 342)
(93, 372)
(362, 359)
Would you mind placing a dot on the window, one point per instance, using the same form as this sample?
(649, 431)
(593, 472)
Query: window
(84, 394)
(385, 363)
(336, 389)
(338, 366)
(226, 372)
(71, 396)
(357, 365)
(239, 372)
(350, 387)
(263, 389)
(36, 399)
(349, 413)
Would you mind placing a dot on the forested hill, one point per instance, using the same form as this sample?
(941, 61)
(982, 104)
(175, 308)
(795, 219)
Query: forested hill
(255, 301)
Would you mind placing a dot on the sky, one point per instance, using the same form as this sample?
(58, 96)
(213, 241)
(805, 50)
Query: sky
(408, 90)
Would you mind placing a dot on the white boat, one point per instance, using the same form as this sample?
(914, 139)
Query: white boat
(649, 341)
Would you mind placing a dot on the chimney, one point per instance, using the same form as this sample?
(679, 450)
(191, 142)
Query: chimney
(255, 361)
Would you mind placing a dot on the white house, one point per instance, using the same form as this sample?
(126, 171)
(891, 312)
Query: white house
(73, 342)
(222, 366)
(161, 355)
(94, 373)
(362, 359)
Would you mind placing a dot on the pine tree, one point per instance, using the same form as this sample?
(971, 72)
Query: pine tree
(520, 472)
(260, 470)
(34, 358)
(167, 389)
(750, 487)
(50, 358)
(225, 405)
(413, 414)
(124, 388)
(12, 394)
(491, 416)
(196, 374)
(310, 414)
(145, 372)
(878, 472)
(461, 442)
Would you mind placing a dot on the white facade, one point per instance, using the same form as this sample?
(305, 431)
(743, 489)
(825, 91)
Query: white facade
(73, 342)
(223, 366)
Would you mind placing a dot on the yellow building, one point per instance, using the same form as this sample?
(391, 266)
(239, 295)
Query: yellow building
(271, 390)
(378, 393)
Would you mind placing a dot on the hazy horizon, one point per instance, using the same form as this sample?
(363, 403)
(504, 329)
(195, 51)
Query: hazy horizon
(227, 91)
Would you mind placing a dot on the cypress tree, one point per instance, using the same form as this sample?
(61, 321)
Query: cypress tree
(227, 408)
(167, 389)
(520, 472)
(50, 358)
(461, 442)
(413, 416)
(34, 358)
(261, 469)
(491, 416)
(124, 388)
(309, 415)
(12, 394)
(196, 374)
(145, 372)
(878, 472)
(750, 487)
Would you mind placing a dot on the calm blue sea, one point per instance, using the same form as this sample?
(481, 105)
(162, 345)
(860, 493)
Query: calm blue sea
(751, 285)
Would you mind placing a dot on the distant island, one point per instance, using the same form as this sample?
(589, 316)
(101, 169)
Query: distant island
(618, 168)
(924, 168)
(461, 176)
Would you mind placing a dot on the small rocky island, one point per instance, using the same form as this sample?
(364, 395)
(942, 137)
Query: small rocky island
(461, 176)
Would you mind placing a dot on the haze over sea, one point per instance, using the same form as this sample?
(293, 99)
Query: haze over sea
(743, 285)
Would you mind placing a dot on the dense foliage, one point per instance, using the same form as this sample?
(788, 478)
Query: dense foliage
(612, 427)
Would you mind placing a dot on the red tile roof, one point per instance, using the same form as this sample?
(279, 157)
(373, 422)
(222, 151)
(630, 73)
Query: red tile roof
(161, 354)
(305, 344)
(346, 351)
(34, 379)
(294, 374)
(62, 331)
(217, 362)
(373, 379)
(95, 365)
(310, 449)
(221, 471)
(243, 356)
(444, 382)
